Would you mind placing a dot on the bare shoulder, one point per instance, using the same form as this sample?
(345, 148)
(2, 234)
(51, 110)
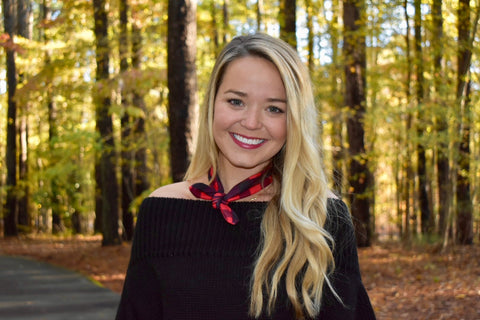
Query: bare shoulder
(177, 190)
(331, 194)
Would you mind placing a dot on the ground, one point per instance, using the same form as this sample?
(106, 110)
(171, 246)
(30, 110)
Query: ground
(420, 282)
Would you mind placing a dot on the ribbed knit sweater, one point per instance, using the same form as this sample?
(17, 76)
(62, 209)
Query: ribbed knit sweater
(188, 263)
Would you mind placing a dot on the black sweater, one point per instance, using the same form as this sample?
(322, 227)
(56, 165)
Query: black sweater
(188, 263)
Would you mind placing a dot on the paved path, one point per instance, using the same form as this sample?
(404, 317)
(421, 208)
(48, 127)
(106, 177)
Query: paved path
(35, 290)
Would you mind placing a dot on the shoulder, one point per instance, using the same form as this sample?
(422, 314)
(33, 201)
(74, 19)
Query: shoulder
(178, 190)
(339, 219)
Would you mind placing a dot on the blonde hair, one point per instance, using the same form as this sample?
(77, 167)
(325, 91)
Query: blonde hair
(295, 246)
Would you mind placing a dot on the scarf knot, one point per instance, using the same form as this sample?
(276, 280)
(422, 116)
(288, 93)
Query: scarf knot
(218, 199)
(214, 192)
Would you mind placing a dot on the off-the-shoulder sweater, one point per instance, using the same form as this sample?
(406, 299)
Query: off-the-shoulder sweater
(188, 263)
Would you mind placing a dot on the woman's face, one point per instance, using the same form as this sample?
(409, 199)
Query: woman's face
(250, 115)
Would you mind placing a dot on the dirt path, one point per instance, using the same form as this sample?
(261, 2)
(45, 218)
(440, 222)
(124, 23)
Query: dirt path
(414, 284)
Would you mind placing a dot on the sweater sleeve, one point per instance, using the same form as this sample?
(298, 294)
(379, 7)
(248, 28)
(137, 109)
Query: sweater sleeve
(346, 279)
(141, 295)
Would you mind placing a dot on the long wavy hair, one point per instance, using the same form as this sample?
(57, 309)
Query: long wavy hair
(295, 247)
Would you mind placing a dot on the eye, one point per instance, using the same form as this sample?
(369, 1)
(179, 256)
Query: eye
(274, 109)
(235, 102)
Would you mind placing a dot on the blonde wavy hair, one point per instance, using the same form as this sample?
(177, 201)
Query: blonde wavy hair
(295, 246)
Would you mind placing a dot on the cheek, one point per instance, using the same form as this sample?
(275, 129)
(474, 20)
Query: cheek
(281, 131)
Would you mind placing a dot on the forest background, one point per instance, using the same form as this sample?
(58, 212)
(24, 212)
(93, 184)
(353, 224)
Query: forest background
(97, 101)
(97, 97)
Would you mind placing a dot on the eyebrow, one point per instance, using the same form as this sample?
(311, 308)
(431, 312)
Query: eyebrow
(243, 94)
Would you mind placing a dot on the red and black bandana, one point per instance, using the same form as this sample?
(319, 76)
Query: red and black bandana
(220, 200)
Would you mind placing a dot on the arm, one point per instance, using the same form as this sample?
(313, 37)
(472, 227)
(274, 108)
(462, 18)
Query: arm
(141, 295)
(346, 279)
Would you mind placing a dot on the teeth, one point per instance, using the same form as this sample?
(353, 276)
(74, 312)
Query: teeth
(247, 140)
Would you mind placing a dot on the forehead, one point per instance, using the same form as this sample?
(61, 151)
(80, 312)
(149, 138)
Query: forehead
(253, 73)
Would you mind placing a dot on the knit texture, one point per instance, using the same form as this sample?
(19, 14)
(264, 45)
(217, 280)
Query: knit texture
(188, 263)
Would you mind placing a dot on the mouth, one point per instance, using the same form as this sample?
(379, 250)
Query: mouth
(247, 142)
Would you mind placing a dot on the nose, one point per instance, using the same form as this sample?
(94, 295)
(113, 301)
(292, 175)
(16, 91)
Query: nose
(252, 119)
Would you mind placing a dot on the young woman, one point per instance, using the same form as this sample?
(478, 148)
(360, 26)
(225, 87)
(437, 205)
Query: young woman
(253, 232)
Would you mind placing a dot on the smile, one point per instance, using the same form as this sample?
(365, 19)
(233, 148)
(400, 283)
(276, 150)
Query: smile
(247, 142)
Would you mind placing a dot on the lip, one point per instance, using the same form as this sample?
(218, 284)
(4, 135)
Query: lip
(247, 142)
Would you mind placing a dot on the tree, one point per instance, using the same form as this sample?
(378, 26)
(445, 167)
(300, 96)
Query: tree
(182, 84)
(57, 225)
(464, 201)
(336, 81)
(442, 159)
(104, 125)
(287, 19)
(408, 184)
(10, 215)
(24, 14)
(260, 9)
(127, 181)
(134, 154)
(141, 183)
(225, 21)
(421, 158)
(355, 100)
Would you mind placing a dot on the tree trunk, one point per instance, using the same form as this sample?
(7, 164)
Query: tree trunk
(104, 125)
(226, 22)
(182, 83)
(338, 148)
(214, 27)
(408, 184)
(98, 222)
(10, 213)
(355, 65)
(74, 198)
(442, 163)
(140, 169)
(421, 158)
(464, 201)
(55, 194)
(24, 26)
(310, 30)
(287, 20)
(259, 15)
(24, 219)
(127, 152)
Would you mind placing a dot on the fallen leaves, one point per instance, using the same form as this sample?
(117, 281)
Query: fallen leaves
(416, 283)
(420, 283)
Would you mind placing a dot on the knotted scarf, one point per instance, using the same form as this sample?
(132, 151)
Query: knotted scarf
(220, 200)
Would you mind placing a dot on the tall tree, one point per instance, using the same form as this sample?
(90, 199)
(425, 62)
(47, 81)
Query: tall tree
(464, 54)
(421, 157)
(408, 184)
(127, 181)
(213, 14)
(355, 100)
(442, 161)
(139, 131)
(260, 9)
(24, 29)
(182, 83)
(10, 214)
(287, 20)
(104, 125)
(226, 21)
(57, 225)
(52, 110)
(311, 31)
(338, 149)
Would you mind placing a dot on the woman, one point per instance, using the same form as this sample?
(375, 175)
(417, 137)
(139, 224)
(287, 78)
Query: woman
(253, 232)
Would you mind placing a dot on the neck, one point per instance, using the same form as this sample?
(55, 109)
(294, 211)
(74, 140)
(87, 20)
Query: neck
(231, 176)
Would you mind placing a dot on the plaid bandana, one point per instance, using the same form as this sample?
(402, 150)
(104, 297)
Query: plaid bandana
(220, 200)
